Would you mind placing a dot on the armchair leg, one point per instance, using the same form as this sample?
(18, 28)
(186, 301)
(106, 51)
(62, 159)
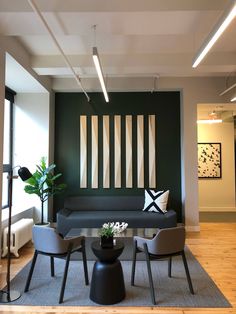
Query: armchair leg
(85, 263)
(133, 263)
(64, 278)
(52, 266)
(187, 272)
(149, 273)
(31, 271)
(169, 266)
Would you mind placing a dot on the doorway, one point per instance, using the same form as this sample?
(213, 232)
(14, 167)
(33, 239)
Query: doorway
(216, 162)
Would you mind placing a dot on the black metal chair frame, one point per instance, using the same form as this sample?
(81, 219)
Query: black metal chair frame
(67, 255)
(150, 257)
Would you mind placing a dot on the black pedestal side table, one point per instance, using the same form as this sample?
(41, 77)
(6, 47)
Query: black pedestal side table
(107, 284)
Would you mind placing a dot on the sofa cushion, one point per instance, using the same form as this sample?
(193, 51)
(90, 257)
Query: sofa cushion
(156, 201)
(95, 219)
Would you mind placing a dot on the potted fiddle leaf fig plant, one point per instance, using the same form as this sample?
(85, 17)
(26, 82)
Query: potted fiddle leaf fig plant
(43, 183)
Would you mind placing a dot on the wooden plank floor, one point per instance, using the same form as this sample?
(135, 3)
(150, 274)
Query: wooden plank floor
(214, 247)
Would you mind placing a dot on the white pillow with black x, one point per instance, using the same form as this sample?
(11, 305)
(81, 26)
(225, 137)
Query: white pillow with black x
(156, 201)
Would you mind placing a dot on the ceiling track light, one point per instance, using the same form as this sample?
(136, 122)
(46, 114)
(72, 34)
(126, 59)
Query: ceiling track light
(229, 87)
(218, 30)
(98, 67)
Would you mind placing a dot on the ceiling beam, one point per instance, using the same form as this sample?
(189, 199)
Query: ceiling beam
(148, 59)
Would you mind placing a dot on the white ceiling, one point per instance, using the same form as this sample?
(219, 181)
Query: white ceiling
(223, 110)
(135, 38)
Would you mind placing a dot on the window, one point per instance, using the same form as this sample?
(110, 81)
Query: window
(7, 144)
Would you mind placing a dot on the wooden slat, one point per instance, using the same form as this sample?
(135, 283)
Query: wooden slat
(106, 152)
(128, 151)
(152, 151)
(83, 151)
(94, 141)
(140, 152)
(117, 151)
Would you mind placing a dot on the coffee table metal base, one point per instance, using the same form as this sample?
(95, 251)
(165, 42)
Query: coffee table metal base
(107, 285)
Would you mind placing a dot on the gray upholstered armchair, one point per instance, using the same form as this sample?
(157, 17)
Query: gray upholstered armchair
(48, 242)
(165, 244)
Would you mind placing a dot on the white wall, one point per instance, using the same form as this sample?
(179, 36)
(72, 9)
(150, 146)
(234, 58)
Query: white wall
(31, 138)
(194, 91)
(219, 194)
(13, 47)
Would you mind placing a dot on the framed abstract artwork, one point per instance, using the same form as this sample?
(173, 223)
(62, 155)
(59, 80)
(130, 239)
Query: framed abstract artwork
(209, 160)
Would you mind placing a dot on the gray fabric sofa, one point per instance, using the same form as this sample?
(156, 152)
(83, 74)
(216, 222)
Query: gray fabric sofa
(93, 211)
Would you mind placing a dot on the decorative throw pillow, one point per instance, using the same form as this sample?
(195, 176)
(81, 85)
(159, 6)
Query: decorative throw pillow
(156, 201)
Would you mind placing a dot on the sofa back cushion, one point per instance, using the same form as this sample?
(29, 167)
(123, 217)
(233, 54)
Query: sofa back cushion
(104, 202)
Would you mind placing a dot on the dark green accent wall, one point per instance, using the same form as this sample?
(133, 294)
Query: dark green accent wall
(166, 107)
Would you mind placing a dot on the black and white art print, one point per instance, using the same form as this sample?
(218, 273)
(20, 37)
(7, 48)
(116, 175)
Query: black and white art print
(209, 160)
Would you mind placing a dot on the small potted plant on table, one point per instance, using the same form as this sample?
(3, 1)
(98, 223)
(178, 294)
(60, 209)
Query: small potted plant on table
(109, 230)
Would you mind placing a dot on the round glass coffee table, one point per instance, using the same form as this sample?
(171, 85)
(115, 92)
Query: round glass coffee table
(107, 284)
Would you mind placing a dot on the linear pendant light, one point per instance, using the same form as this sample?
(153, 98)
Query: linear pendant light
(233, 99)
(209, 121)
(99, 72)
(215, 34)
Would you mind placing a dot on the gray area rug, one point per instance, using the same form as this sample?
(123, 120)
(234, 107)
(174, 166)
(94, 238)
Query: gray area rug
(170, 292)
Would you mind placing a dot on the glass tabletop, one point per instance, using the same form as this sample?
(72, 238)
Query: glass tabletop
(129, 232)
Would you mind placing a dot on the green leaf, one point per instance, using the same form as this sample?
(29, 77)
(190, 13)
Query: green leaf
(31, 190)
(50, 168)
(43, 163)
(56, 176)
(31, 181)
(42, 180)
(37, 175)
(40, 169)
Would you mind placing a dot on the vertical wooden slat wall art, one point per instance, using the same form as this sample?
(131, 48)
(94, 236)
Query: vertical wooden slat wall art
(94, 151)
(128, 151)
(104, 130)
(106, 152)
(140, 152)
(83, 151)
(152, 151)
(117, 151)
